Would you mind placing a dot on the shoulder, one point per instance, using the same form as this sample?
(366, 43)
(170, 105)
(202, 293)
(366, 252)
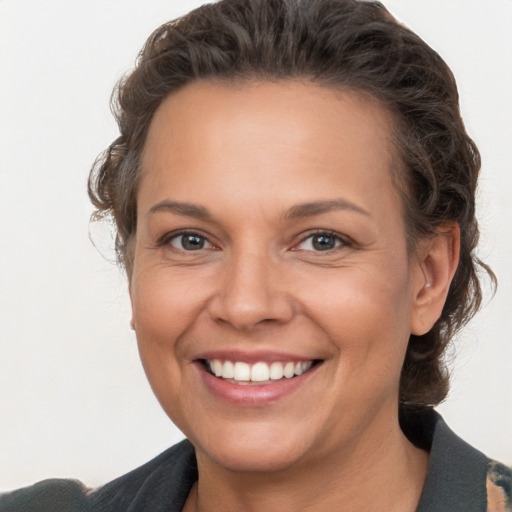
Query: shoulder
(47, 496)
(161, 484)
(499, 486)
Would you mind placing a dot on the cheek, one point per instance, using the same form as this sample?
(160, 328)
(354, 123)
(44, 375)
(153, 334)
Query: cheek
(366, 314)
(164, 312)
(164, 309)
(164, 305)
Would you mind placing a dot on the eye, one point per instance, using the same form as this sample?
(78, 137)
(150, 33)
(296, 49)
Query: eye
(189, 242)
(324, 241)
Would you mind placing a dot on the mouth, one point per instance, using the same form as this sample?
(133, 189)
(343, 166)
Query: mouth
(260, 372)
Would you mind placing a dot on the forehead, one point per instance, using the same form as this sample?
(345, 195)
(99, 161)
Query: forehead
(289, 132)
(295, 104)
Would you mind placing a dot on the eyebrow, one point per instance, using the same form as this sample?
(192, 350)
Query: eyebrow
(186, 209)
(295, 212)
(319, 207)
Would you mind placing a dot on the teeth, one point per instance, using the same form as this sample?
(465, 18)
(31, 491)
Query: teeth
(289, 370)
(276, 371)
(306, 366)
(217, 368)
(258, 372)
(228, 370)
(242, 371)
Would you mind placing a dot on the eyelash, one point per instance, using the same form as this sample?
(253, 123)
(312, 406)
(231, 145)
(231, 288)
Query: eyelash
(339, 240)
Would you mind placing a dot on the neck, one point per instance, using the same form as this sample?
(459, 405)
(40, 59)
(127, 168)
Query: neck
(364, 477)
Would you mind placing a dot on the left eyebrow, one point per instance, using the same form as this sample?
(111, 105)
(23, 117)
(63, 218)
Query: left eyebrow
(319, 207)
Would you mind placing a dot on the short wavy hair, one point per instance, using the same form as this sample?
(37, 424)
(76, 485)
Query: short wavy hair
(342, 44)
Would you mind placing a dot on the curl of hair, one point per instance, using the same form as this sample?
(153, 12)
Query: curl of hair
(342, 44)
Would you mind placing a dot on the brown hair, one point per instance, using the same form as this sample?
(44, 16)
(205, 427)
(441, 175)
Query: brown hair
(347, 44)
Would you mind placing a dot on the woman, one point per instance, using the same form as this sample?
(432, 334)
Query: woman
(293, 191)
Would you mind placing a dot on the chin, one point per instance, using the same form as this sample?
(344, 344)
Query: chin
(257, 460)
(254, 450)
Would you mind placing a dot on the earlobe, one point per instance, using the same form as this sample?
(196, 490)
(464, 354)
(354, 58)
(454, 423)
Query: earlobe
(437, 260)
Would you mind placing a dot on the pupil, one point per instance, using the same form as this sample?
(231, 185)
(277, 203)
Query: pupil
(192, 242)
(323, 242)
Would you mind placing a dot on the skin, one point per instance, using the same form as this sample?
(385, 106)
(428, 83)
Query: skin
(250, 154)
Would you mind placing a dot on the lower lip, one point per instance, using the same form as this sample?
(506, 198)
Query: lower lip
(253, 394)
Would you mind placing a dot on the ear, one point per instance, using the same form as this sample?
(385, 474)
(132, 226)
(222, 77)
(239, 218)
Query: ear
(436, 258)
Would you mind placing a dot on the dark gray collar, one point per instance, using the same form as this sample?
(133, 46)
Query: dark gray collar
(456, 472)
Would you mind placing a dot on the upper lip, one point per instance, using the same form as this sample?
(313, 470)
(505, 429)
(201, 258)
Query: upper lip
(252, 357)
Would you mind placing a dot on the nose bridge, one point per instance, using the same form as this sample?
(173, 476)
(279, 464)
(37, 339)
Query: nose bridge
(252, 290)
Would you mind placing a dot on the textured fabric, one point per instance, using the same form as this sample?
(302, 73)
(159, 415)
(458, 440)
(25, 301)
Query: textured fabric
(456, 475)
(162, 484)
(53, 495)
(459, 479)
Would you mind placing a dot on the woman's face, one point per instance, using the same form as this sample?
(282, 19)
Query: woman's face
(270, 239)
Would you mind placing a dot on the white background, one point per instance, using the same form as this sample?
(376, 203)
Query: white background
(73, 398)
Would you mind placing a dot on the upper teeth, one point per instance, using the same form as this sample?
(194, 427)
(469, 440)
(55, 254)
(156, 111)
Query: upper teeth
(257, 372)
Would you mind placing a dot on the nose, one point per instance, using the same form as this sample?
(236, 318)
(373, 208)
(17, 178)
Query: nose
(251, 292)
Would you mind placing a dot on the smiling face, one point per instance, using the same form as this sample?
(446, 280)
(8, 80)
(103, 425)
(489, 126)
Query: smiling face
(270, 243)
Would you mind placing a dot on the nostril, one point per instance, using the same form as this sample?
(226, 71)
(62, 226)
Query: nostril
(248, 312)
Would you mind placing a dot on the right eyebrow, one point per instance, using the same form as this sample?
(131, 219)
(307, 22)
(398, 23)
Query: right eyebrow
(179, 208)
